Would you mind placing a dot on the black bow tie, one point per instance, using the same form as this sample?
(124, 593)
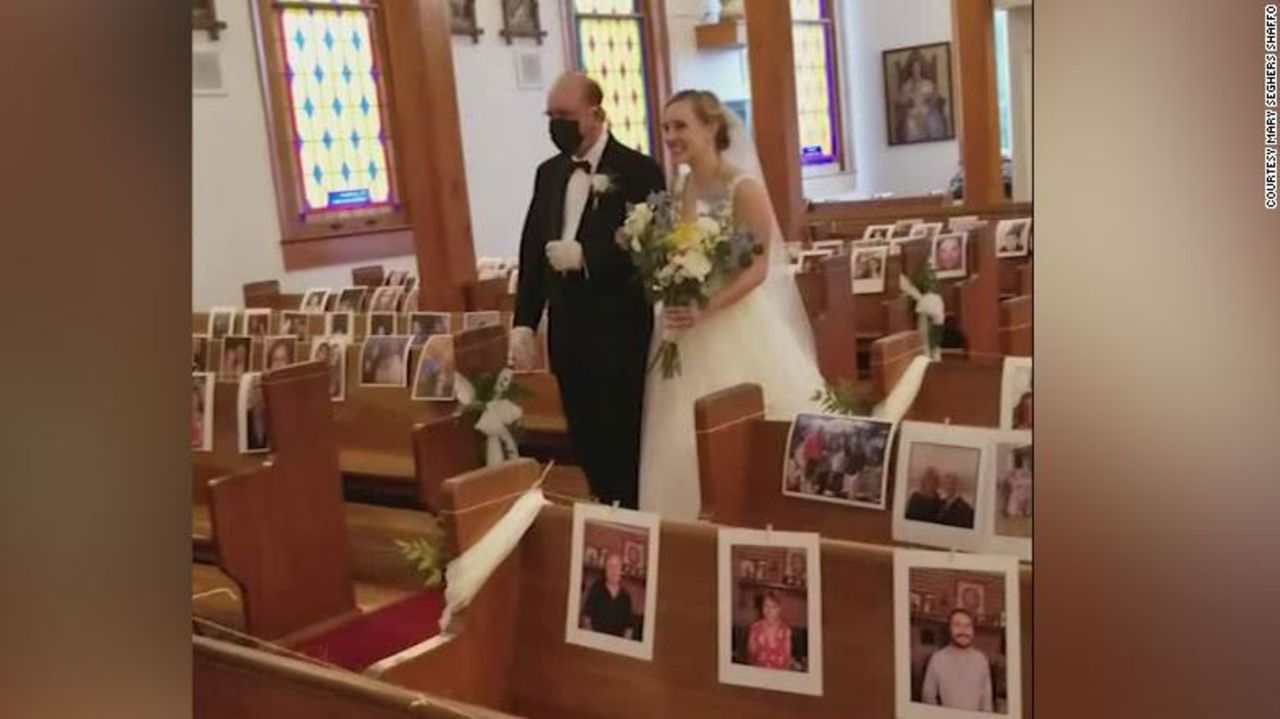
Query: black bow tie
(582, 165)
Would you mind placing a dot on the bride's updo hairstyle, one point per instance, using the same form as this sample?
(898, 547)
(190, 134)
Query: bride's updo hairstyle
(709, 110)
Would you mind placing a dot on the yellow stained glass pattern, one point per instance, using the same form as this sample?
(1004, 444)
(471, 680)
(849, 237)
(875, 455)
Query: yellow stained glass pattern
(813, 93)
(806, 10)
(612, 53)
(604, 7)
(339, 140)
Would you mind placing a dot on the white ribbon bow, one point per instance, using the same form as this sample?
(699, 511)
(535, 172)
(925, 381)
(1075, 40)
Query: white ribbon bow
(930, 311)
(496, 419)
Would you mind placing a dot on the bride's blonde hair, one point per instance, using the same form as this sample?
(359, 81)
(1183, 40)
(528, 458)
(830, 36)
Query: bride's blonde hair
(709, 110)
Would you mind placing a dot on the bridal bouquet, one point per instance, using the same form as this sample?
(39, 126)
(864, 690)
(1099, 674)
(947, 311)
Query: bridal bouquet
(681, 262)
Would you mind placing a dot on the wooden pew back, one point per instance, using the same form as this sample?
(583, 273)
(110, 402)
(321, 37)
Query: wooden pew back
(236, 682)
(513, 635)
(1015, 326)
(280, 529)
(829, 303)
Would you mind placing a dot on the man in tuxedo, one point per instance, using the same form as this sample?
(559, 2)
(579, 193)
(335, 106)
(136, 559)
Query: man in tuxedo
(599, 321)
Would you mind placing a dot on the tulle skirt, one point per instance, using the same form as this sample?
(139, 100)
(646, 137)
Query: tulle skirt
(749, 341)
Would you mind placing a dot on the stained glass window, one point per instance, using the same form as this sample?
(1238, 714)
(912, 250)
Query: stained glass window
(611, 50)
(339, 142)
(813, 43)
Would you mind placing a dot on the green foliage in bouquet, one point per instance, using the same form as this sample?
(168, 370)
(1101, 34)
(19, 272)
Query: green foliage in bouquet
(844, 398)
(426, 556)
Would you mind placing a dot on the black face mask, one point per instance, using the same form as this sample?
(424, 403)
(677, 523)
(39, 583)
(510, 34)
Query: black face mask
(566, 135)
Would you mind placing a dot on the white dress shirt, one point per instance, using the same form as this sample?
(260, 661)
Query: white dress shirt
(578, 191)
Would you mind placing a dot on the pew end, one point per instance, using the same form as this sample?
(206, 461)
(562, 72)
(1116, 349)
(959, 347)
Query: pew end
(1015, 326)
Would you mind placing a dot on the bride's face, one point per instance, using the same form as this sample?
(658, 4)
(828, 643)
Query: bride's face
(686, 135)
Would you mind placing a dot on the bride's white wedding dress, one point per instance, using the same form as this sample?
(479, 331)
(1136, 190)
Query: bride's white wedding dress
(764, 338)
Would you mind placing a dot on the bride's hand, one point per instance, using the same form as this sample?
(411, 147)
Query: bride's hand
(681, 318)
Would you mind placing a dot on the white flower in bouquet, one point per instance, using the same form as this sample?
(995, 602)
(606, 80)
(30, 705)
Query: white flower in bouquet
(694, 265)
(638, 220)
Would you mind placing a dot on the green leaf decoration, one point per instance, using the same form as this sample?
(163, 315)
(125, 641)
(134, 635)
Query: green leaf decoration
(426, 556)
(844, 398)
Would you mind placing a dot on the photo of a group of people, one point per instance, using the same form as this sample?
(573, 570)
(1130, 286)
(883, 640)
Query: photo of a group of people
(613, 580)
(1013, 237)
(384, 361)
(237, 356)
(333, 352)
(380, 323)
(252, 415)
(957, 635)
(770, 610)
(839, 459)
(435, 376)
(868, 268)
(202, 411)
(964, 488)
(426, 324)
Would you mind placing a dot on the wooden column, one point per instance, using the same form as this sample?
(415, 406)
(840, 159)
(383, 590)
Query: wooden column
(425, 107)
(977, 116)
(774, 112)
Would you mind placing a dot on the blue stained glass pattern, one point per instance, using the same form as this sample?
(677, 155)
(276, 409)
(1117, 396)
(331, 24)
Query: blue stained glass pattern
(332, 73)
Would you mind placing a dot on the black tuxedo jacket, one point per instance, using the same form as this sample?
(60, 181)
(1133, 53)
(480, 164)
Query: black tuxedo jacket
(586, 307)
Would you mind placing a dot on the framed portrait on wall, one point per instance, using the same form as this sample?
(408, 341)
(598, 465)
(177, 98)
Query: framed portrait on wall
(462, 19)
(520, 19)
(919, 94)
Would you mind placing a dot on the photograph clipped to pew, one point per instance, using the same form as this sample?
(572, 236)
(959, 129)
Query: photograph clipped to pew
(868, 265)
(840, 459)
(877, 232)
(384, 361)
(333, 352)
(202, 411)
(949, 257)
(251, 415)
(613, 580)
(222, 322)
(427, 324)
(351, 299)
(281, 351)
(237, 356)
(476, 320)
(386, 299)
(1013, 237)
(1015, 394)
(340, 324)
(410, 303)
(770, 618)
(257, 322)
(926, 230)
(905, 228)
(811, 260)
(396, 278)
(956, 631)
(199, 353)
(837, 247)
(939, 498)
(294, 324)
(380, 324)
(434, 379)
(1011, 511)
(315, 300)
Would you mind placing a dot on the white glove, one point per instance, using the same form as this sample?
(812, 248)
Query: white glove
(523, 351)
(565, 255)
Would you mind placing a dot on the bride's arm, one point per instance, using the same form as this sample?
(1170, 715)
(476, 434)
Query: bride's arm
(751, 206)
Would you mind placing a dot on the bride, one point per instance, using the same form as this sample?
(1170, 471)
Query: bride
(754, 329)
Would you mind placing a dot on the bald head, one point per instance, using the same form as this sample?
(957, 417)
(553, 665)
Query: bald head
(576, 97)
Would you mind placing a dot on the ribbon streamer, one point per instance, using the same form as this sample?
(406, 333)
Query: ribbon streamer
(930, 312)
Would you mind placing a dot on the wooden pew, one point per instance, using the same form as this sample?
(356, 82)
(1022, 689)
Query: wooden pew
(1015, 326)
(740, 454)
(848, 220)
(236, 682)
(489, 294)
(829, 304)
(509, 653)
(279, 530)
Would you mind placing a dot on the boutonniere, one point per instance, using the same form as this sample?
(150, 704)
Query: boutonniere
(600, 185)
